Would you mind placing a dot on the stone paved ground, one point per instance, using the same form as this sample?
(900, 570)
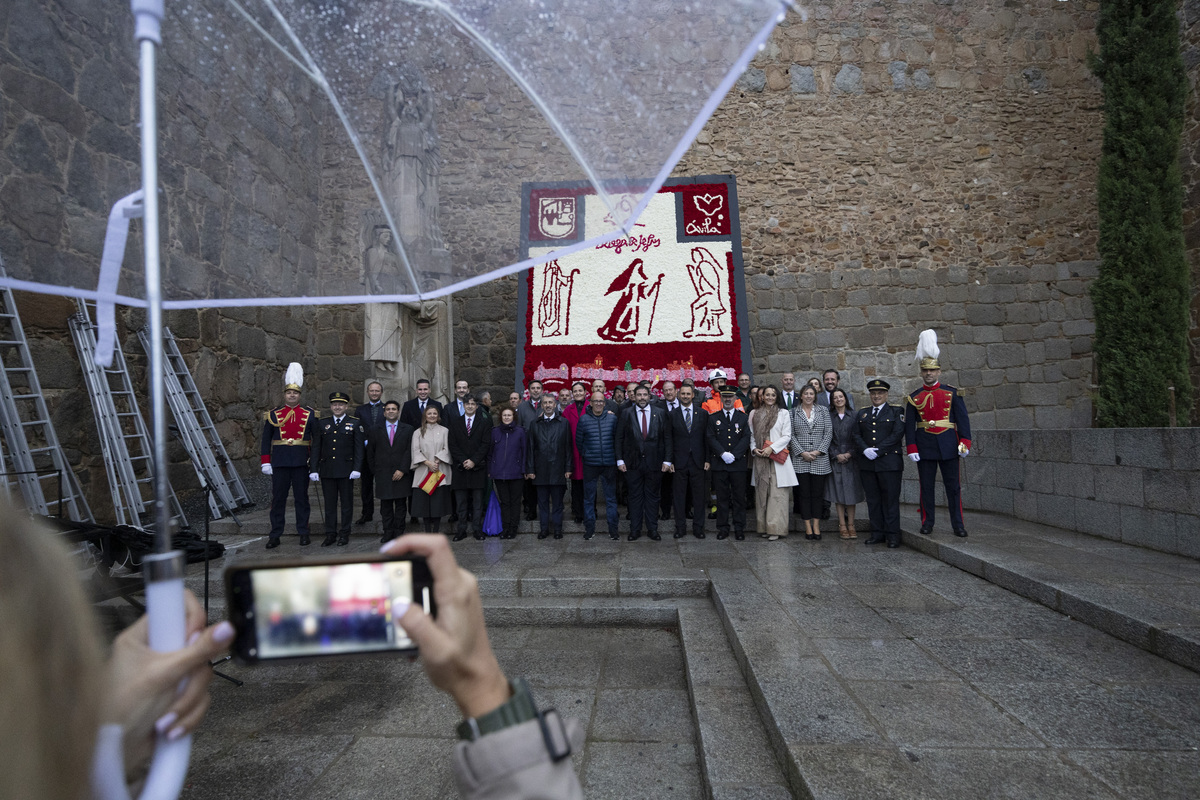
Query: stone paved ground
(824, 670)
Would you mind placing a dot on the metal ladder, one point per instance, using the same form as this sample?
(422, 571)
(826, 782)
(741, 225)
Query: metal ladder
(31, 456)
(213, 466)
(128, 455)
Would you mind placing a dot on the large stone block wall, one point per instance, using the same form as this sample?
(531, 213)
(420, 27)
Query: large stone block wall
(240, 196)
(1138, 486)
(919, 165)
(1189, 158)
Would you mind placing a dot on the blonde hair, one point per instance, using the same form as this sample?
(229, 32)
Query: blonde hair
(51, 666)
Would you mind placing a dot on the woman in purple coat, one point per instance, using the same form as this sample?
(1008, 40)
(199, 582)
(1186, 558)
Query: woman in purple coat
(506, 465)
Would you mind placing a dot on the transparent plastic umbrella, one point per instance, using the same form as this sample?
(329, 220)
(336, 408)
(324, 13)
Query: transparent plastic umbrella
(375, 152)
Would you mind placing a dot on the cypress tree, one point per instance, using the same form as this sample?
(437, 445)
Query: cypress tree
(1141, 294)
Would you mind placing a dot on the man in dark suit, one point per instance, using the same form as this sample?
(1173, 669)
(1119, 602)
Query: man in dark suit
(728, 443)
(643, 455)
(668, 403)
(470, 442)
(689, 457)
(413, 412)
(336, 461)
(830, 379)
(389, 452)
(370, 414)
(455, 408)
(878, 441)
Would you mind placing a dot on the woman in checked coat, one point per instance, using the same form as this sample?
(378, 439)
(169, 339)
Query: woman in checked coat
(811, 434)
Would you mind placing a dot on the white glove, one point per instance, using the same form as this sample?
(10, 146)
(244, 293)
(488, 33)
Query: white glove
(314, 477)
(871, 453)
(355, 475)
(727, 458)
(266, 469)
(914, 457)
(965, 453)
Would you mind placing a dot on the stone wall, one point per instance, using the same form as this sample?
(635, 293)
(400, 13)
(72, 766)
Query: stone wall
(1138, 486)
(69, 149)
(1189, 158)
(919, 165)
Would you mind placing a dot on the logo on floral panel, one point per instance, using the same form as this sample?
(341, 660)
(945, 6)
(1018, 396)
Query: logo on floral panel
(556, 217)
(706, 211)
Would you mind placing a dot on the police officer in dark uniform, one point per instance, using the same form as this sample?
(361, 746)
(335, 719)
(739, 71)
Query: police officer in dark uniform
(728, 444)
(287, 435)
(937, 433)
(337, 458)
(878, 435)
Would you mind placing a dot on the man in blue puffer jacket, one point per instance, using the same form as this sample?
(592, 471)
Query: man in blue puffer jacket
(595, 439)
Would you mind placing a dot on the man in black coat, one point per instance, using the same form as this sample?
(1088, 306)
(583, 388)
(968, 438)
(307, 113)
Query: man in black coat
(643, 454)
(470, 442)
(370, 414)
(413, 412)
(548, 463)
(728, 444)
(389, 452)
(336, 461)
(689, 457)
(878, 439)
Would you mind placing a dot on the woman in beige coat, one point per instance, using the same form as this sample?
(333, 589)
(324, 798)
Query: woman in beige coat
(772, 481)
(431, 451)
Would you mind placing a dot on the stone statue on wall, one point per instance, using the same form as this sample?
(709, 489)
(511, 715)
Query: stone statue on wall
(381, 328)
(428, 347)
(412, 161)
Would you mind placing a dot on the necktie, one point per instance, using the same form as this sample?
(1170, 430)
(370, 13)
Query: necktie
(687, 419)
(375, 413)
(391, 433)
(876, 415)
(460, 408)
(469, 425)
(645, 428)
(422, 406)
(729, 416)
(788, 397)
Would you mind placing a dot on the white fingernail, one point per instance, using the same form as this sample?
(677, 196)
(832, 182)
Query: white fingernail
(175, 733)
(400, 607)
(165, 722)
(223, 632)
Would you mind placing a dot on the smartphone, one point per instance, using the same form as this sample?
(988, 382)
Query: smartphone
(329, 607)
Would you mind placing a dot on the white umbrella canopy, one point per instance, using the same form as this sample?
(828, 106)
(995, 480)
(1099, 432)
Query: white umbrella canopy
(376, 148)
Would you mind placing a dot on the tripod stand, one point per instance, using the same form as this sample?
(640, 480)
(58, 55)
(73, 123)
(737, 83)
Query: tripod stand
(207, 485)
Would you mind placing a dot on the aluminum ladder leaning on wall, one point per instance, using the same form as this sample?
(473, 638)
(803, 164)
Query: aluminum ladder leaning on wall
(197, 432)
(32, 457)
(123, 436)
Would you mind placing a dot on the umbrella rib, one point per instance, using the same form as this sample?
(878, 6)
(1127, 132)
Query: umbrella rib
(263, 32)
(318, 77)
(536, 99)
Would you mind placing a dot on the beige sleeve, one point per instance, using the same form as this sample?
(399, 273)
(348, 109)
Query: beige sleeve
(514, 764)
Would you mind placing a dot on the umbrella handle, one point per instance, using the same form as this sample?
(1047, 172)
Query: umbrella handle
(168, 620)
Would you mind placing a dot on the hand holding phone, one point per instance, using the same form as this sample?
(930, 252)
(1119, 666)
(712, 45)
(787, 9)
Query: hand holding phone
(454, 647)
(321, 607)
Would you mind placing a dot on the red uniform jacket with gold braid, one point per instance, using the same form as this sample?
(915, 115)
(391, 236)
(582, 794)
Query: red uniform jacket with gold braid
(935, 421)
(287, 435)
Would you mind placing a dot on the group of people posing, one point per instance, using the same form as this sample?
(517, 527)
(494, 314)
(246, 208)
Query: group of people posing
(776, 449)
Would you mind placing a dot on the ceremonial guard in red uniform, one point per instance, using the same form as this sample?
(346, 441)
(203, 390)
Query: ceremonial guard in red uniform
(287, 436)
(937, 433)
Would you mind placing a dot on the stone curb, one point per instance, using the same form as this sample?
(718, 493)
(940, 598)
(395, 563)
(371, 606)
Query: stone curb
(1137, 622)
(736, 758)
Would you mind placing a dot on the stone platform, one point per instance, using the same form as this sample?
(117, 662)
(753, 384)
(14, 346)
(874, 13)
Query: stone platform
(822, 670)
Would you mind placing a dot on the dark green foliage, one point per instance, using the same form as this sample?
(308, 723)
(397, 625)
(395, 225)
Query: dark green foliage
(1141, 295)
